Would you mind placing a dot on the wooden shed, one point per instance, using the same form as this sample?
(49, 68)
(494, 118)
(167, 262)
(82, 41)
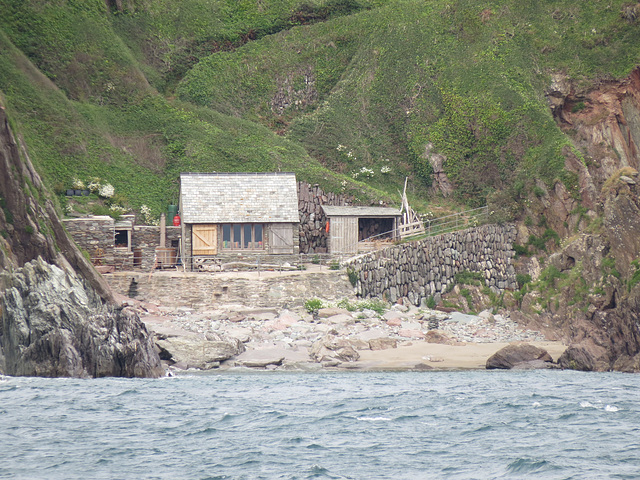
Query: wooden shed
(358, 229)
(238, 213)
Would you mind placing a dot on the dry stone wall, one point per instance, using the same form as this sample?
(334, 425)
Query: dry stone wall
(423, 269)
(313, 222)
(95, 235)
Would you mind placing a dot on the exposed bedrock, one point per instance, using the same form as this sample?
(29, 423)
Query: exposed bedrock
(55, 325)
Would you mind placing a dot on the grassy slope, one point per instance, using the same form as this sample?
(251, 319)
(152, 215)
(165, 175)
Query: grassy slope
(467, 77)
(381, 78)
(135, 140)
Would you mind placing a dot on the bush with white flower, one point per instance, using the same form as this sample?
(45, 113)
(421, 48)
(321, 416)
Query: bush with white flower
(118, 209)
(364, 171)
(106, 190)
(78, 184)
(147, 217)
(385, 169)
(94, 185)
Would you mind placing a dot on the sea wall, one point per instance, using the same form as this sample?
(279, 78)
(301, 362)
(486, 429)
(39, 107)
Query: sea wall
(206, 291)
(422, 269)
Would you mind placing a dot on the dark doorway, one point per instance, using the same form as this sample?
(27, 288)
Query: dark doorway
(379, 228)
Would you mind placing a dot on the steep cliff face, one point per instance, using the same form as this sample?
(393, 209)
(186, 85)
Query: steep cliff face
(592, 295)
(55, 322)
(55, 325)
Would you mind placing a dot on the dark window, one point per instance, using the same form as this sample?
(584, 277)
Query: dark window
(242, 236)
(122, 239)
(257, 236)
(237, 236)
(226, 236)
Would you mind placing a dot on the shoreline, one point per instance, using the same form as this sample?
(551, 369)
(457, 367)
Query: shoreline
(401, 339)
(259, 321)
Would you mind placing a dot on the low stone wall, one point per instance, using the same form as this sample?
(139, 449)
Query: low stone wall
(423, 269)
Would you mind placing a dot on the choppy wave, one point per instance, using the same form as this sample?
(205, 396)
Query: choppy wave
(327, 426)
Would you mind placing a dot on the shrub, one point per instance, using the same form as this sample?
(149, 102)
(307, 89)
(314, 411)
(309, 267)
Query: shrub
(313, 305)
(376, 305)
(521, 250)
(353, 276)
(347, 305)
(523, 279)
(431, 302)
(469, 278)
(635, 277)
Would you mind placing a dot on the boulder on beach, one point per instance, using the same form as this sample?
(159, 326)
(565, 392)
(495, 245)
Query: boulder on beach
(197, 351)
(518, 353)
(261, 358)
(584, 356)
(382, 343)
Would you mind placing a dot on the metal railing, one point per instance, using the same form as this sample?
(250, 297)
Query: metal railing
(458, 221)
(257, 262)
(431, 227)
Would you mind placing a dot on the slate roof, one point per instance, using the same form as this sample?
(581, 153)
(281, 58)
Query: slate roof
(360, 211)
(239, 198)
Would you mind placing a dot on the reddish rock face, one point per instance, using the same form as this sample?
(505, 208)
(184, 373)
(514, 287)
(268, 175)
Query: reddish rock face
(601, 320)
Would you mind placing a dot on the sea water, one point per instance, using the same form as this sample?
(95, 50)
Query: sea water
(412, 425)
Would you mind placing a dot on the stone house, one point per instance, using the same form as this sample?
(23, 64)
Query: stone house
(228, 215)
(121, 244)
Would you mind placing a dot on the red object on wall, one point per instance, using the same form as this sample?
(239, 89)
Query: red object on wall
(327, 227)
(176, 221)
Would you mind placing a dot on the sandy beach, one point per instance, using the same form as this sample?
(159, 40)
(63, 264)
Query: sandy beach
(440, 357)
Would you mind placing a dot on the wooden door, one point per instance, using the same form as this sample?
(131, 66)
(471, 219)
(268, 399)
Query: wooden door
(205, 239)
(281, 238)
(343, 235)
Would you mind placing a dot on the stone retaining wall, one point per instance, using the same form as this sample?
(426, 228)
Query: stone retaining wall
(207, 291)
(423, 269)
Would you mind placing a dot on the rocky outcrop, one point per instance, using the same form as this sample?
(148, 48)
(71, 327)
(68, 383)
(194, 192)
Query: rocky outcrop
(55, 325)
(517, 354)
(58, 314)
(29, 226)
(203, 352)
(593, 303)
(440, 180)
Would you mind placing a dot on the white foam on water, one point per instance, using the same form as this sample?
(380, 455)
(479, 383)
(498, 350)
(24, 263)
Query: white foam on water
(586, 405)
(536, 404)
(611, 408)
(374, 419)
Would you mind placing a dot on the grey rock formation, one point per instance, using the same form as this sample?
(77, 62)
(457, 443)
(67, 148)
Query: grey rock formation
(56, 325)
(197, 351)
(518, 353)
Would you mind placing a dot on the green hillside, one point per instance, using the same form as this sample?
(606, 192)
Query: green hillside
(346, 93)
